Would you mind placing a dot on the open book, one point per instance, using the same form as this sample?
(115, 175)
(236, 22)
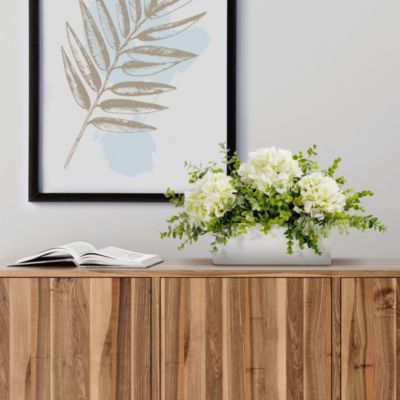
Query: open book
(84, 255)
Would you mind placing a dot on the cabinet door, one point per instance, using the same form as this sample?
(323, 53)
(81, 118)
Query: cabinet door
(257, 338)
(370, 339)
(75, 339)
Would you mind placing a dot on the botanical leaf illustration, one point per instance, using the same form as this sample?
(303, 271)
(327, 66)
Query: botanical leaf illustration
(83, 61)
(95, 40)
(96, 62)
(149, 6)
(107, 23)
(120, 125)
(160, 54)
(141, 88)
(168, 30)
(141, 68)
(77, 88)
(167, 7)
(122, 106)
(136, 10)
(123, 18)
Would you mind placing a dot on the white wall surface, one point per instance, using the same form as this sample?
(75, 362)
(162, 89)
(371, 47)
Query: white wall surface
(311, 71)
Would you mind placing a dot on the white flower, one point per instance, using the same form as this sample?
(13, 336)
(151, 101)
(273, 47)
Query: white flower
(320, 195)
(270, 169)
(213, 195)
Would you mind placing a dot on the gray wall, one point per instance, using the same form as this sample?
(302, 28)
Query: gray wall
(309, 72)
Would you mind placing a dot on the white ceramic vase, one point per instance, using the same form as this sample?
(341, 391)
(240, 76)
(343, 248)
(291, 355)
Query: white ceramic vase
(256, 248)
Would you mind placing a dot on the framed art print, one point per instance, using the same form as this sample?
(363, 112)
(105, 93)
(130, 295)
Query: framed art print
(123, 92)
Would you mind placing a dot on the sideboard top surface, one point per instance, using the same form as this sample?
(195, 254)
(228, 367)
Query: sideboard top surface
(198, 268)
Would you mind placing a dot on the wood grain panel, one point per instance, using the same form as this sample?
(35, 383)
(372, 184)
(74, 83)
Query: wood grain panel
(295, 339)
(214, 330)
(121, 343)
(369, 339)
(141, 340)
(100, 339)
(70, 339)
(155, 338)
(4, 339)
(318, 336)
(336, 339)
(266, 335)
(77, 339)
(194, 342)
(121, 339)
(246, 339)
(41, 317)
(234, 335)
(20, 339)
(385, 337)
(397, 338)
(171, 317)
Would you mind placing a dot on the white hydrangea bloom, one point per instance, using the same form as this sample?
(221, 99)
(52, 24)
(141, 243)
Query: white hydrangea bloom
(269, 169)
(320, 195)
(212, 195)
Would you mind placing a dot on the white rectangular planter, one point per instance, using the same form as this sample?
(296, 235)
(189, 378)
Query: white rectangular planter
(255, 248)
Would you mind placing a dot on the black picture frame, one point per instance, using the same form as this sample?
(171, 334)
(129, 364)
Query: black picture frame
(35, 195)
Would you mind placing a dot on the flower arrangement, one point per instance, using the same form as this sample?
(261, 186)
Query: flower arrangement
(274, 188)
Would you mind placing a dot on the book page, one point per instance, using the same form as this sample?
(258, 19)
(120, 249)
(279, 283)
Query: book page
(78, 249)
(120, 254)
(47, 256)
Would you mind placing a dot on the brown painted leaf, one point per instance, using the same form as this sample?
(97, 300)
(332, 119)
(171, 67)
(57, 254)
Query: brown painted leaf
(122, 106)
(159, 54)
(120, 125)
(97, 46)
(140, 68)
(108, 25)
(123, 18)
(83, 61)
(76, 85)
(149, 6)
(168, 30)
(167, 7)
(141, 88)
(136, 10)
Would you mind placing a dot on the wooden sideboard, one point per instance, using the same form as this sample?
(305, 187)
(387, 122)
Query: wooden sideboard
(187, 330)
